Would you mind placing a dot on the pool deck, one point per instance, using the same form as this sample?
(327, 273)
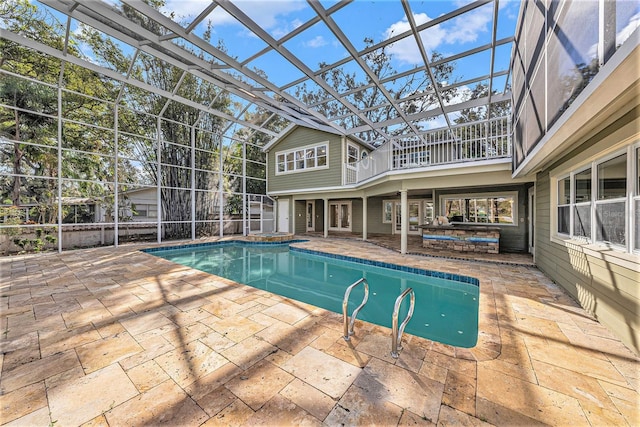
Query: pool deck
(115, 336)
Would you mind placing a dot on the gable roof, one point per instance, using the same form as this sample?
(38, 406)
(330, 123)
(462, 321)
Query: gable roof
(285, 133)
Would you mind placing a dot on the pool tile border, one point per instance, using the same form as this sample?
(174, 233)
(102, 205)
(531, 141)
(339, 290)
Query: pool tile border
(420, 271)
(225, 243)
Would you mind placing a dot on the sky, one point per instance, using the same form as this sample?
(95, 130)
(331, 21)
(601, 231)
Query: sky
(378, 20)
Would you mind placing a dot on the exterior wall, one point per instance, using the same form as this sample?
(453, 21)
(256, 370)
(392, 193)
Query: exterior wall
(513, 238)
(300, 214)
(374, 219)
(300, 137)
(356, 216)
(604, 281)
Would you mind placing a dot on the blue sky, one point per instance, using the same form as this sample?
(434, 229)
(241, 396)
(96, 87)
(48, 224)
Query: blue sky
(378, 20)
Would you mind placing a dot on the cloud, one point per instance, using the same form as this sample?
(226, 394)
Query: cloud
(625, 33)
(317, 41)
(270, 15)
(621, 36)
(185, 8)
(462, 29)
(406, 50)
(467, 27)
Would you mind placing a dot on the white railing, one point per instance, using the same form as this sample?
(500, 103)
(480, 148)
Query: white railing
(375, 163)
(469, 142)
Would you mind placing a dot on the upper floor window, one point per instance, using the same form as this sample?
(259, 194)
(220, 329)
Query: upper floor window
(481, 209)
(594, 202)
(301, 159)
(353, 154)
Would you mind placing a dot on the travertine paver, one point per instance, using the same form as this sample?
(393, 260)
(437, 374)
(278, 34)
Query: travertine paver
(326, 373)
(84, 398)
(23, 401)
(259, 384)
(164, 404)
(309, 398)
(114, 336)
(186, 364)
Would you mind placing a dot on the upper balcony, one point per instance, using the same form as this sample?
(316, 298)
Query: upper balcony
(469, 142)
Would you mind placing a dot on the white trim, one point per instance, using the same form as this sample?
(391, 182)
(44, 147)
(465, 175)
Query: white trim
(531, 223)
(313, 215)
(304, 149)
(350, 214)
(350, 144)
(384, 202)
(631, 195)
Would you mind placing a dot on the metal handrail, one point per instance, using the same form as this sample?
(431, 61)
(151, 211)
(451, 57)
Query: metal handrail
(396, 333)
(348, 326)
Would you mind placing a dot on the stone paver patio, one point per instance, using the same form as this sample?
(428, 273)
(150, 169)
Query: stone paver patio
(114, 336)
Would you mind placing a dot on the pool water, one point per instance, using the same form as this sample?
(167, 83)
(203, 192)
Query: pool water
(446, 310)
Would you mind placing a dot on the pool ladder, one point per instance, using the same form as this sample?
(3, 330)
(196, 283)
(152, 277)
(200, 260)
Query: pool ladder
(348, 326)
(396, 332)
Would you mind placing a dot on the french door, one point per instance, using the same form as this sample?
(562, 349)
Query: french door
(340, 216)
(415, 213)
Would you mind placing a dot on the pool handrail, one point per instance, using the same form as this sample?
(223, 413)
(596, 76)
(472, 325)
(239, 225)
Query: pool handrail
(348, 325)
(396, 333)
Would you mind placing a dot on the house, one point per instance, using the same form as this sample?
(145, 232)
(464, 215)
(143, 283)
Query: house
(330, 183)
(576, 120)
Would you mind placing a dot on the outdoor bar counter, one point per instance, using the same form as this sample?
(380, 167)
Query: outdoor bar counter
(461, 238)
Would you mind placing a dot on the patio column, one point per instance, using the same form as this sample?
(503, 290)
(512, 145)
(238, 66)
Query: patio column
(326, 218)
(404, 222)
(293, 217)
(364, 217)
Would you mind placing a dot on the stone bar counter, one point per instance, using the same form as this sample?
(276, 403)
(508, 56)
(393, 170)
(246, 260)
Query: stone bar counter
(461, 238)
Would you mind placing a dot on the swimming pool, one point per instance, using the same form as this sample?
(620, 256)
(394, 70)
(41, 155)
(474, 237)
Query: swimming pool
(446, 307)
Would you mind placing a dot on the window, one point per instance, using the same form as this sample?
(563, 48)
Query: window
(144, 210)
(595, 202)
(564, 206)
(387, 211)
(582, 203)
(353, 154)
(499, 209)
(611, 204)
(301, 159)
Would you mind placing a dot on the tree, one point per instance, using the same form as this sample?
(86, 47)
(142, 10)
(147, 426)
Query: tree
(418, 86)
(177, 123)
(29, 126)
(488, 138)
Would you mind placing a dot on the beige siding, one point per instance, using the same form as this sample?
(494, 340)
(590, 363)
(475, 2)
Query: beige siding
(301, 137)
(604, 287)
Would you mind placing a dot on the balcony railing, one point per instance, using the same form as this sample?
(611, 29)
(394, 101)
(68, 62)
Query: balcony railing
(467, 143)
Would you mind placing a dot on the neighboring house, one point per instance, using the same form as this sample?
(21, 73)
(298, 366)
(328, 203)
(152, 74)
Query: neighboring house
(570, 195)
(140, 205)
